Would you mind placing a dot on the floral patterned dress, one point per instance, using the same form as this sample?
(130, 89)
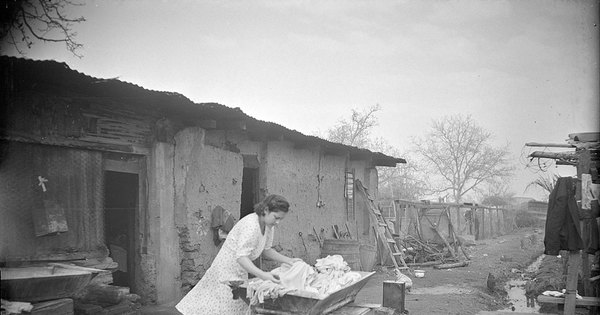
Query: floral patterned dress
(210, 295)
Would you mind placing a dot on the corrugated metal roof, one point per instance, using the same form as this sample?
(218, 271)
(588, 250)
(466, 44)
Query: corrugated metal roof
(49, 76)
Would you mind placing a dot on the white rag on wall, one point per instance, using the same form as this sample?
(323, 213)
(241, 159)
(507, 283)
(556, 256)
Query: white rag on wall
(586, 191)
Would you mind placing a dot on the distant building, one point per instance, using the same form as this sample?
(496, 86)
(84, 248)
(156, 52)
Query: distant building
(534, 207)
(516, 201)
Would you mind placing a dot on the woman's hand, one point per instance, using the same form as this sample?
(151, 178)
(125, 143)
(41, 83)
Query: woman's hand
(270, 277)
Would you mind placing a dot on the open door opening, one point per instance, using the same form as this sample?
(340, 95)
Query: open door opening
(249, 191)
(120, 204)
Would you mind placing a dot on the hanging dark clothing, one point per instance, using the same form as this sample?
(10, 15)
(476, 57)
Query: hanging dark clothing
(562, 220)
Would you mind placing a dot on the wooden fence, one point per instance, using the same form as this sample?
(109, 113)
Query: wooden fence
(421, 219)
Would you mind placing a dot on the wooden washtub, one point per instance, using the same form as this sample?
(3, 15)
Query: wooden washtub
(42, 283)
(303, 302)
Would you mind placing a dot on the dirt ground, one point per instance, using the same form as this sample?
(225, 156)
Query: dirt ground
(464, 290)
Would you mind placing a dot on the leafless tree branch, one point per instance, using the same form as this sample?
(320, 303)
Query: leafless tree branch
(461, 158)
(356, 131)
(403, 181)
(41, 20)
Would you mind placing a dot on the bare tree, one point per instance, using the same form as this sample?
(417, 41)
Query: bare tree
(403, 181)
(25, 21)
(356, 131)
(461, 157)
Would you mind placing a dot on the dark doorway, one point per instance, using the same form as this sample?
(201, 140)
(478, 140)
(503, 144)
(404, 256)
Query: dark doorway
(120, 204)
(249, 191)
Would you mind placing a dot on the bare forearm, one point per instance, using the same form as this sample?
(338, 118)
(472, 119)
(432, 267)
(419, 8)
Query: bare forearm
(250, 267)
(274, 255)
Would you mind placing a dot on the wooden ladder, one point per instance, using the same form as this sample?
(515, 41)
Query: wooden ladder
(379, 224)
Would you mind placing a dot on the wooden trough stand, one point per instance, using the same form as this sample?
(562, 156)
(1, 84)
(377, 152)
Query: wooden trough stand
(338, 302)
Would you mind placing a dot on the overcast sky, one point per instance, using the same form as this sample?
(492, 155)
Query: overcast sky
(525, 70)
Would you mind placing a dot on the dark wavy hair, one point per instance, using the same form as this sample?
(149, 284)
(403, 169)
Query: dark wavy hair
(273, 203)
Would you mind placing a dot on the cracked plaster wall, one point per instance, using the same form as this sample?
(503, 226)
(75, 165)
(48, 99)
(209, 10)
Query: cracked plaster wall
(205, 177)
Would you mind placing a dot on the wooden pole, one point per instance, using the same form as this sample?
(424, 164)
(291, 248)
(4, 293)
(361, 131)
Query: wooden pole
(498, 220)
(482, 224)
(572, 272)
(491, 222)
(549, 145)
(453, 231)
(419, 223)
(434, 227)
(561, 162)
(575, 257)
(458, 219)
(583, 167)
(554, 155)
(398, 222)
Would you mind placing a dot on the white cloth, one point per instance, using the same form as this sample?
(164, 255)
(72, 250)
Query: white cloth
(294, 276)
(586, 191)
(332, 263)
(333, 275)
(259, 289)
(560, 294)
(210, 295)
(222, 234)
(16, 307)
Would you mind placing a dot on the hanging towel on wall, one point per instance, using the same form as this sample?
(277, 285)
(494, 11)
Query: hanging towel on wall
(222, 221)
(562, 220)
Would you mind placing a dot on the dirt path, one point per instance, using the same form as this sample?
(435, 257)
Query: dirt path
(464, 290)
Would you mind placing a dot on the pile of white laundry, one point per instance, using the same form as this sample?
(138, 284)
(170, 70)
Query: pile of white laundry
(258, 290)
(329, 274)
(333, 273)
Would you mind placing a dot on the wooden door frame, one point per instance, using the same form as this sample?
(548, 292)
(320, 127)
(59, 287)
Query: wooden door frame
(134, 164)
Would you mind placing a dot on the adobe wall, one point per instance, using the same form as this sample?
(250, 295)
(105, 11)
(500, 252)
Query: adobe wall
(205, 177)
(208, 168)
(305, 177)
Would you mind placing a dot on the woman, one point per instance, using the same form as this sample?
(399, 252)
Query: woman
(249, 238)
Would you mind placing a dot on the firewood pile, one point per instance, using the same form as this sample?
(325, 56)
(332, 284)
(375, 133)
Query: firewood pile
(105, 263)
(101, 297)
(107, 299)
(424, 252)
